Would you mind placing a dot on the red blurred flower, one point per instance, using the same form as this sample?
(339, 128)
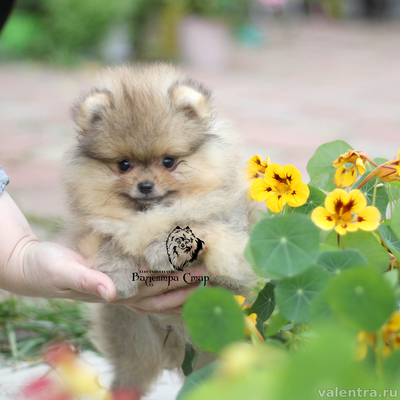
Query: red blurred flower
(45, 389)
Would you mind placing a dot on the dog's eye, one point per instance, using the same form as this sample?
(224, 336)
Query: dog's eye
(124, 165)
(178, 241)
(168, 162)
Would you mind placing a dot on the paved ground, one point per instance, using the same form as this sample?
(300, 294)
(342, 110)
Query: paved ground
(13, 379)
(307, 85)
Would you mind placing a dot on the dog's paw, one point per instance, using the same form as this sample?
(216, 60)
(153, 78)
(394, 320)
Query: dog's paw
(156, 256)
(124, 283)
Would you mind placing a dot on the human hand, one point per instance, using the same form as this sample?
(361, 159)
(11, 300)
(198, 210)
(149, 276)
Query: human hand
(50, 270)
(32, 268)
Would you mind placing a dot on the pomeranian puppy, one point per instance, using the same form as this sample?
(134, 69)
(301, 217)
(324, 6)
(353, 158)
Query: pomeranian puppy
(152, 155)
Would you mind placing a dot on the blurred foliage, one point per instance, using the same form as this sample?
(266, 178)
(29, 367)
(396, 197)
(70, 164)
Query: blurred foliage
(26, 325)
(68, 31)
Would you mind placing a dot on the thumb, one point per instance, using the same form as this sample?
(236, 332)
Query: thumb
(82, 279)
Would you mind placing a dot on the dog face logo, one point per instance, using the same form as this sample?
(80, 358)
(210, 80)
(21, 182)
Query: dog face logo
(183, 247)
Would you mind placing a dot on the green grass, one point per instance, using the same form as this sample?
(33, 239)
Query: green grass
(27, 325)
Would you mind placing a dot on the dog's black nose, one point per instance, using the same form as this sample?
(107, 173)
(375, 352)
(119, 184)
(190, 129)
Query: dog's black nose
(145, 187)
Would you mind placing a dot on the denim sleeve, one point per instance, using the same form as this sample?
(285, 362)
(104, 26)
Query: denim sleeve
(4, 179)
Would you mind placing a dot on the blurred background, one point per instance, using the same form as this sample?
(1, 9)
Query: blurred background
(291, 74)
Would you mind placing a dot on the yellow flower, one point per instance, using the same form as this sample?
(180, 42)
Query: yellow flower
(390, 333)
(388, 172)
(365, 339)
(251, 326)
(250, 321)
(280, 185)
(256, 166)
(346, 176)
(78, 377)
(346, 212)
(240, 300)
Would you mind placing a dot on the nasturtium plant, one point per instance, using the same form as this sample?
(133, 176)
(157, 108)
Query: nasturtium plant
(214, 318)
(325, 312)
(362, 298)
(375, 193)
(336, 261)
(283, 246)
(320, 166)
(367, 243)
(394, 222)
(265, 302)
(294, 295)
(315, 199)
(391, 241)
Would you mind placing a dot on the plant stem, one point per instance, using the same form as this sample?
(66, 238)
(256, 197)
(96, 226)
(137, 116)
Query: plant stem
(391, 199)
(292, 340)
(379, 358)
(374, 195)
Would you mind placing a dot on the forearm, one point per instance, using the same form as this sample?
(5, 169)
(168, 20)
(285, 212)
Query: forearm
(15, 236)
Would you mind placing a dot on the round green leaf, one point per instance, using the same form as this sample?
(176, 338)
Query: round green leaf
(380, 160)
(316, 199)
(367, 243)
(394, 189)
(265, 303)
(338, 260)
(320, 309)
(294, 295)
(214, 318)
(362, 298)
(320, 166)
(195, 380)
(381, 197)
(390, 239)
(394, 222)
(283, 246)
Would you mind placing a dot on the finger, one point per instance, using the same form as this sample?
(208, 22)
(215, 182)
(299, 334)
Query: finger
(175, 310)
(78, 296)
(166, 301)
(81, 279)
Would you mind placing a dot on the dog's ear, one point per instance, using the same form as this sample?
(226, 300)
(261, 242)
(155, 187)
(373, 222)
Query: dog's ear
(91, 109)
(193, 99)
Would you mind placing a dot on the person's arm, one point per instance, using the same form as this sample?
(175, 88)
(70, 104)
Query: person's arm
(32, 268)
(29, 267)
